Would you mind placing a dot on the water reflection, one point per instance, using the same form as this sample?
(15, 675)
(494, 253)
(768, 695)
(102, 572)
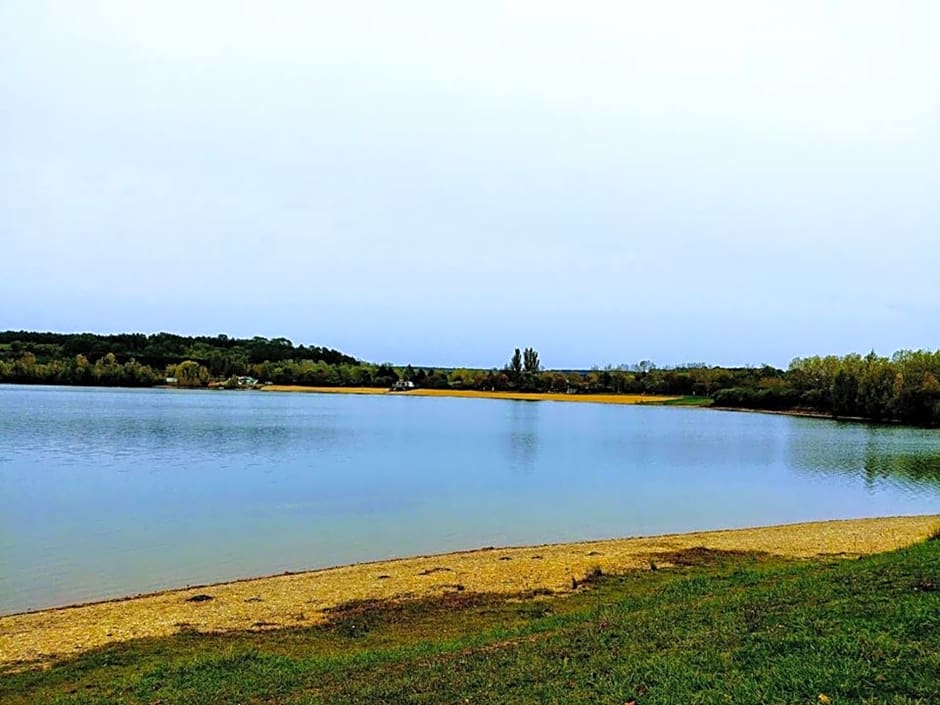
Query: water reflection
(110, 492)
(196, 433)
(909, 470)
(906, 458)
(523, 434)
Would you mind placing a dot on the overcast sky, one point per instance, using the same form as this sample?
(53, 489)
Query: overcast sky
(438, 182)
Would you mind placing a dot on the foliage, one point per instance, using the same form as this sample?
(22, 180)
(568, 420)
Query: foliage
(904, 388)
(530, 361)
(190, 373)
(106, 371)
(221, 354)
(135, 359)
(515, 364)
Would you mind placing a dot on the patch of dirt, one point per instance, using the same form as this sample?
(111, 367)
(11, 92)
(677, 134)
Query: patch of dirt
(436, 569)
(202, 597)
(701, 556)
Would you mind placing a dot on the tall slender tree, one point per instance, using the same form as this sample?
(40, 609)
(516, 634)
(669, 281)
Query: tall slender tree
(515, 364)
(530, 361)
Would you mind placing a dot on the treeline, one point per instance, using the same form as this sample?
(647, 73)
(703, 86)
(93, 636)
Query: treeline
(221, 355)
(106, 371)
(903, 388)
(524, 373)
(136, 359)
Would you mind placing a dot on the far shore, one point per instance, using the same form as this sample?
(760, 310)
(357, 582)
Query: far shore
(807, 413)
(304, 599)
(625, 399)
(476, 394)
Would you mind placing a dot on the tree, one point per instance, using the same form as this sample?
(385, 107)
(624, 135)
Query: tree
(24, 367)
(385, 375)
(530, 361)
(436, 380)
(191, 374)
(515, 364)
(462, 379)
(107, 371)
(844, 392)
(81, 370)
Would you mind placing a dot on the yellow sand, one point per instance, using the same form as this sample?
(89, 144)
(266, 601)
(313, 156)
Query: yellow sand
(474, 394)
(302, 598)
(323, 390)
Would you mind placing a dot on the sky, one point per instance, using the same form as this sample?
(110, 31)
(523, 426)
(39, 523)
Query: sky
(437, 183)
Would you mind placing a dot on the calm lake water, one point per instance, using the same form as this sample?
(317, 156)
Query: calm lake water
(111, 492)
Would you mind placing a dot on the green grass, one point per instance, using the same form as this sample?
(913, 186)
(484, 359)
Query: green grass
(689, 401)
(726, 628)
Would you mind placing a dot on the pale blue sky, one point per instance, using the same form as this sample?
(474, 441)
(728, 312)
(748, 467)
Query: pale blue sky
(439, 182)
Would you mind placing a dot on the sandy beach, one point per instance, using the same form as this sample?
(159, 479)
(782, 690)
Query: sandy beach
(474, 394)
(305, 598)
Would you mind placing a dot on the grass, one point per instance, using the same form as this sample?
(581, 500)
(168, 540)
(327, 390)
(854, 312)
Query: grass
(689, 401)
(720, 627)
(308, 598)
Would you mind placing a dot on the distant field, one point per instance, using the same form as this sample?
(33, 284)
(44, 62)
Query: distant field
(473, 394)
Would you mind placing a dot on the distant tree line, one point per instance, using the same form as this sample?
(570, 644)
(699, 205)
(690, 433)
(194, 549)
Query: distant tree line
(903, 388)
(106, 371)
(220, 354)
(136, 359)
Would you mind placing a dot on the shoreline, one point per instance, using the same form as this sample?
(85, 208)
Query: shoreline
(305, 598)
(622, 399)
(810, 414)
(627, 399)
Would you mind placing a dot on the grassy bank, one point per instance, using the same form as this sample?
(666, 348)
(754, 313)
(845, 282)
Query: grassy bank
(689, 401)
(474, 394)
(310, 598)
(716, 627)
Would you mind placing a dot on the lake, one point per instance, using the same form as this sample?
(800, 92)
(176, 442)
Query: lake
(107, 492)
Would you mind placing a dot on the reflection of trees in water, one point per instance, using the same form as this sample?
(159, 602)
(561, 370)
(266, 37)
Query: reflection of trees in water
(122, 436)
(876, 454)
(910, 469)
(523, 433)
